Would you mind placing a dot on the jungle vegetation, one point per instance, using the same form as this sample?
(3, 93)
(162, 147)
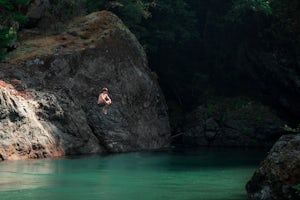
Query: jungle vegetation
(188, 42)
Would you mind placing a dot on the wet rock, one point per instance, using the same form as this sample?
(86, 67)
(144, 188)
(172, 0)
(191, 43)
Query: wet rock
(278, 173)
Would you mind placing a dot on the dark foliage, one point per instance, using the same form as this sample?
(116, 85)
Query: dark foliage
(11, 18)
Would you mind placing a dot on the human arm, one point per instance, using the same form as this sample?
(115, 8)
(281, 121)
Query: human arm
(107, 99)
(100, 99)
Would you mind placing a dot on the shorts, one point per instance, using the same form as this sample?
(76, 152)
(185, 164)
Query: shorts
(101, 104)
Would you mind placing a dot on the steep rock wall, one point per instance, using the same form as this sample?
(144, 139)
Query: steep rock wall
(57, 80)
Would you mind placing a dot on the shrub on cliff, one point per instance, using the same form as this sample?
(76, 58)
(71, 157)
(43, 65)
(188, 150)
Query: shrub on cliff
(5, 39)
(11, 18)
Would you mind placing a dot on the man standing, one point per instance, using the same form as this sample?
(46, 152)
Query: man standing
(104, 100)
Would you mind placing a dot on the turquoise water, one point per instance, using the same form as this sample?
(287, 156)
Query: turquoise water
(203, 174)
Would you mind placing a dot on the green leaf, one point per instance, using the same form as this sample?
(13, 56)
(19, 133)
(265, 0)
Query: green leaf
(6, 4)
(19, 18)
(22, 2)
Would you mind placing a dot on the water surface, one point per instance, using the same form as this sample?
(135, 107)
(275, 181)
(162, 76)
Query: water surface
(202, 174)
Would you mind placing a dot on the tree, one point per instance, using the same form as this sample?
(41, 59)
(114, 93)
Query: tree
(154, 22)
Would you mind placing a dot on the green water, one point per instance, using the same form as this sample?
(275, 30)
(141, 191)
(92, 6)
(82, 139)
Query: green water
(203, 174)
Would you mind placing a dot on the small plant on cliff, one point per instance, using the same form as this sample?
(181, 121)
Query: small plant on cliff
(5, 38)
(11, 18)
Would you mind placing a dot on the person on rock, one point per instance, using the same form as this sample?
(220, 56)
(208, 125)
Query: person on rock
(104, 100)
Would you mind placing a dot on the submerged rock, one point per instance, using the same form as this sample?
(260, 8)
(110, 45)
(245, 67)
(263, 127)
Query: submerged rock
(278, 173)
(50, 86)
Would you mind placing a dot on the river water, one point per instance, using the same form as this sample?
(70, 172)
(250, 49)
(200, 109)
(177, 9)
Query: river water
(202, 174)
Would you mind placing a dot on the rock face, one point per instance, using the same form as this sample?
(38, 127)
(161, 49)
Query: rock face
(232, 122)
(278, 173)
(50, 86)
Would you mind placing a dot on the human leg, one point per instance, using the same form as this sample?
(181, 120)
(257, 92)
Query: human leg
(105, 109)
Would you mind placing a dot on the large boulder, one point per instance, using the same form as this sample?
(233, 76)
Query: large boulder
(50, 85)
(279, 173)
(235, 121)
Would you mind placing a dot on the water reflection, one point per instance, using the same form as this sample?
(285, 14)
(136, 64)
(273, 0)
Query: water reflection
(211, 174)
(24, 174)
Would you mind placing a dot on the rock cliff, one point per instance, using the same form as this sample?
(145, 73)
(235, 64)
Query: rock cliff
(235, 121)
(50, 85)
(278, 173)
